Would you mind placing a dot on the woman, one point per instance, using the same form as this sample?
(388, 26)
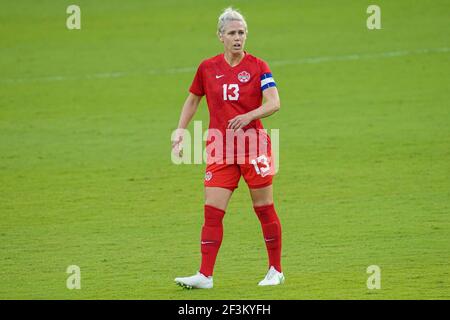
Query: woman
(235, 84)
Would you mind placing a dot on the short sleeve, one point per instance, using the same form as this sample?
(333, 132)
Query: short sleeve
(197, 84)
(266, 77)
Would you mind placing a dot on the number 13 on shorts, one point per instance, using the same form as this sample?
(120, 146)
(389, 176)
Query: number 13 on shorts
(261, 165)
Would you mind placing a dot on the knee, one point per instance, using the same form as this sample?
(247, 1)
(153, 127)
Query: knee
(216, 203)
(262, 202)
(266, 213)
(213, 216)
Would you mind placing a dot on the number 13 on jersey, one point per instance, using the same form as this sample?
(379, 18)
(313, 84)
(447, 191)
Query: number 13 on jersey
(262, 171)
(233, 89)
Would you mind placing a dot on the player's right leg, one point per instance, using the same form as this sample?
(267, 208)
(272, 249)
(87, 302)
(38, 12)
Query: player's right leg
(216, 201)
(220, 181)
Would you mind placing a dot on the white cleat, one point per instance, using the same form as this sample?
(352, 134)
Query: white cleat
(198, 281)
(273, 278)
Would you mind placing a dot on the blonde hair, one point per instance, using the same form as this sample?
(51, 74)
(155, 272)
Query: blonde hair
(230, 14)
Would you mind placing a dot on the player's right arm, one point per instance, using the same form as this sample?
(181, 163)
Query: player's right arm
(189, 109)
(187, 113)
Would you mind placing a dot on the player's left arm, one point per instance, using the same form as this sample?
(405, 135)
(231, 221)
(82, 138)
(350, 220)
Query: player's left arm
(269, 107)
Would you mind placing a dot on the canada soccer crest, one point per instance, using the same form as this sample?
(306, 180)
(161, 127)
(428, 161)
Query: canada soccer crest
(244, 76)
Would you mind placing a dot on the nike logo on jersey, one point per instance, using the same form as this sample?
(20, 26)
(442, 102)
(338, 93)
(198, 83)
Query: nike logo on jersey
(268, 240)
(220, 76)
(207, 242)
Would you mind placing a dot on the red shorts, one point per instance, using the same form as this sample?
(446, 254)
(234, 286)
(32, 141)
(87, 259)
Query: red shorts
(258, 173)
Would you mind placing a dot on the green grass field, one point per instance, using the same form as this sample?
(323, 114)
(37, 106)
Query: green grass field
(86, 176)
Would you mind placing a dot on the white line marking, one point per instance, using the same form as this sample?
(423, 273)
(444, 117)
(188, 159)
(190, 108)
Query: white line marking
(310, 60)
(363, 56)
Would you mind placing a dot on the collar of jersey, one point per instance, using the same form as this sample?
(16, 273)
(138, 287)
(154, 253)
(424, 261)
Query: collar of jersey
(227, 65)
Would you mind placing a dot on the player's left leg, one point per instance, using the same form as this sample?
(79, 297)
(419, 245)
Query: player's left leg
(258, 173)
(265, 210)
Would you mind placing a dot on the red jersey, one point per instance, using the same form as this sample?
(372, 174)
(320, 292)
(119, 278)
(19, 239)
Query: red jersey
(232, 91)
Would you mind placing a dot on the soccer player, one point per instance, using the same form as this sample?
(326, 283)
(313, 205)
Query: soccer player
(234, 83)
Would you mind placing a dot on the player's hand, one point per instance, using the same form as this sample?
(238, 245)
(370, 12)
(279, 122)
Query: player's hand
(239, 122)
(177, 143)
(177, 149)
